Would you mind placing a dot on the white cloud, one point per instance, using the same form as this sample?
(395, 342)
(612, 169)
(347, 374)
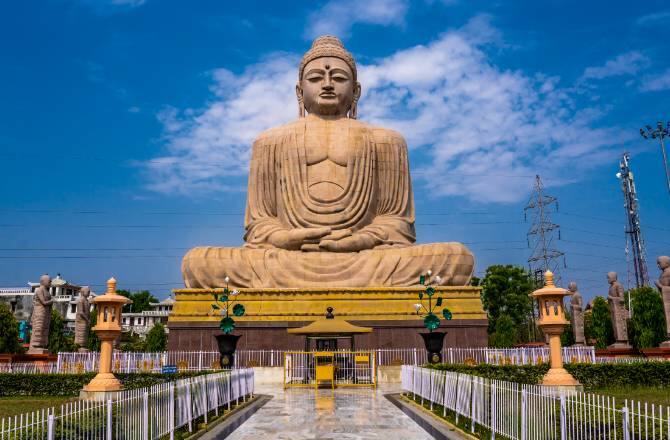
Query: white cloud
(628, 63)
(338, 16)
(104, 6)
(480, 126)
(656, 83)
(653, 19)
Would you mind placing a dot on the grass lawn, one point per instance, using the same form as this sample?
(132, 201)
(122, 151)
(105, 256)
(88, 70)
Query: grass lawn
(11, 406)
(656, 395)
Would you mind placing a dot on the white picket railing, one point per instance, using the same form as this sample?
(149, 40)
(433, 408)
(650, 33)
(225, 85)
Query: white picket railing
(147, 413)
(529, 412)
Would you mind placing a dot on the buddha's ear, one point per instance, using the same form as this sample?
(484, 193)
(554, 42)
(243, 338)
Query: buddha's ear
(353, 111)
(301, 104)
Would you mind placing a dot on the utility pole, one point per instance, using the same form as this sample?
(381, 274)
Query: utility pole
(634, 239)
(541, 233)
(660, 133)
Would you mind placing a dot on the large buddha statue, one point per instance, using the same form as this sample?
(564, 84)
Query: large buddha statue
(329, 199)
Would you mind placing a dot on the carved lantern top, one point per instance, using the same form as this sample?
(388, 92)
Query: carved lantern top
(550, 302)
(109, 308)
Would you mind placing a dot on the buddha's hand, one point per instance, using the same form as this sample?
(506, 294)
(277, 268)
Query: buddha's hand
(351, 243)
(294, 239)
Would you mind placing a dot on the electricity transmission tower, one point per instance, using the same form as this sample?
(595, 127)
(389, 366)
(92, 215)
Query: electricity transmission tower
(541, 233)
(634, 241)
(660, 133)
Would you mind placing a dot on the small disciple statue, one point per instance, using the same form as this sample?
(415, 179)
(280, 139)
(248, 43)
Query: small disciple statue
(82, 319)
(329, 201)
(577, 314)
(615, 297)
(41, 317)
(663, 286)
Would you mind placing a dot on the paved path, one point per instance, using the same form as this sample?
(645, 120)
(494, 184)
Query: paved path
(341, 414)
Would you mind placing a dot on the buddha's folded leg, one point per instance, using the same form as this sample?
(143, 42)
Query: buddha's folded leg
(453, 262)
(207, 267)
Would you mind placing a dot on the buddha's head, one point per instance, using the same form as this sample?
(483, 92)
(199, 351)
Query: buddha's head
(611, 277)
(327, 83)
(572, 287)
(85, 291)
(663, 262)
(45, 281)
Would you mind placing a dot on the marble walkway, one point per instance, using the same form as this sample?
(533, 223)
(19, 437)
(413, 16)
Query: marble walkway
(341, 414)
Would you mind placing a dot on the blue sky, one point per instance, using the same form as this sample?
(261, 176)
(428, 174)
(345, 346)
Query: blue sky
(126, 124)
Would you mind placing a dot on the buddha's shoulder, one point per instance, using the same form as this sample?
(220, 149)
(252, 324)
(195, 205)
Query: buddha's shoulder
(277, 132)
(383, 135)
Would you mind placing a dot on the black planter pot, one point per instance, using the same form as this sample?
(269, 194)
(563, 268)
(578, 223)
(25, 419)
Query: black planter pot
(433, 342)
(227, 345)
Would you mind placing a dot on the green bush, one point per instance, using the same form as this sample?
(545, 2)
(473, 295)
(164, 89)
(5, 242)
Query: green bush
(592, 376)
(16, 384)
(598, 323)
(647, 326)
(9, 331)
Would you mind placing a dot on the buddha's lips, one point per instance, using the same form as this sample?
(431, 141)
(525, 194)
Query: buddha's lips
(327, 95)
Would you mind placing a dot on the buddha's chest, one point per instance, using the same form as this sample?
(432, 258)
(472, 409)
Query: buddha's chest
(328, 150)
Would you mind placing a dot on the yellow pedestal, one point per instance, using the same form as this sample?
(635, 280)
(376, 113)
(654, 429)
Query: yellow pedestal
(354, 304)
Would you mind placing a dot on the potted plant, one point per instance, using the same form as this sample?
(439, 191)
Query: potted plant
(433, 340)
(227, 342)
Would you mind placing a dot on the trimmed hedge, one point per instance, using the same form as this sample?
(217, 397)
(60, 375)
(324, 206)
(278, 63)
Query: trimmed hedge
(592, 376)
(17, 384)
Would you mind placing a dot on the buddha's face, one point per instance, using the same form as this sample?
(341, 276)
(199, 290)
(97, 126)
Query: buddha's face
(611, 277)
(45, 281)
(327, 87)
(663, 262)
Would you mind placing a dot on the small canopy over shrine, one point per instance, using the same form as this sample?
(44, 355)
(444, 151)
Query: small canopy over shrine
(327, 331)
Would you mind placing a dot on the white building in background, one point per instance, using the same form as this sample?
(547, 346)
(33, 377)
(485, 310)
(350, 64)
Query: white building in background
(64, 294)
(141, 323)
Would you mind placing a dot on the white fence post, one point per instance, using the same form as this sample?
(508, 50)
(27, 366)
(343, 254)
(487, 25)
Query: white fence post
(145, 404)
(109, 419)
(50, 427)
(171, 411)
(625, 416)
(472, 406)
(524, 416)
(564, 425)
(189, 409)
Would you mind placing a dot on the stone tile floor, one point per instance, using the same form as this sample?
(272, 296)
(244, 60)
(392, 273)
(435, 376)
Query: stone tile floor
(300, 413)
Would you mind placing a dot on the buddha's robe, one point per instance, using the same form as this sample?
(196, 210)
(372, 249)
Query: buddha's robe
(41, 318)
(375, 198)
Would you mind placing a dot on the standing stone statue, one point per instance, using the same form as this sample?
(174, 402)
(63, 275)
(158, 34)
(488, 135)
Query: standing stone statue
(82, 319)
(663, 286)
(615, 297)
(41, 317)
(577, 314)
(329, 200)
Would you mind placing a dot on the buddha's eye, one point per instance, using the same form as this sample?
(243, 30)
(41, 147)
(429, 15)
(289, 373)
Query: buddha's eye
(314, 78)
(340, 78)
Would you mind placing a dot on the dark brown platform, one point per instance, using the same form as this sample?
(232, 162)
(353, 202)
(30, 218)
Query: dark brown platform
(272, 335)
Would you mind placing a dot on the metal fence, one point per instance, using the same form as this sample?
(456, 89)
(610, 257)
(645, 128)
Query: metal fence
(147, 413)
(342, 368)
(528, 412)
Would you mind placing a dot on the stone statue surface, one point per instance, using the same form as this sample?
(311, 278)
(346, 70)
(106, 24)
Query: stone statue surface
(82, 318)
(618, 311)
(329, 200)
(41, 317)
(577, 314)
(663, 286)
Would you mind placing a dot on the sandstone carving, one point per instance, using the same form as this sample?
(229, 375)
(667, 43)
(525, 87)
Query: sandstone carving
(577, 314)
(329, 200)
(41, 317)
(663, 286)
(620, 315)
(82, 319)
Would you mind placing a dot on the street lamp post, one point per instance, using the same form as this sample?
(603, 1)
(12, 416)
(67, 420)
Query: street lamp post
(660, 133)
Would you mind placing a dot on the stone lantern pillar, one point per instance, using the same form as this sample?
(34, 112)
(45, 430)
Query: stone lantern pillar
(108, 328)
(552, 322)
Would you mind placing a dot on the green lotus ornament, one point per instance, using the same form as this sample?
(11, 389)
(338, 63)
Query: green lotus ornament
(227, 325)
(238, 310)
(431, 322)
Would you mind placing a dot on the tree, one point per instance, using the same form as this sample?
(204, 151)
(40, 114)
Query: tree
(156, 338)
(9, 331)
(504, 335)
(141, 300)
(505, 292)
(132, 342)
(93, 341)
(598, 323)
(647, 325)
(58, 340)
